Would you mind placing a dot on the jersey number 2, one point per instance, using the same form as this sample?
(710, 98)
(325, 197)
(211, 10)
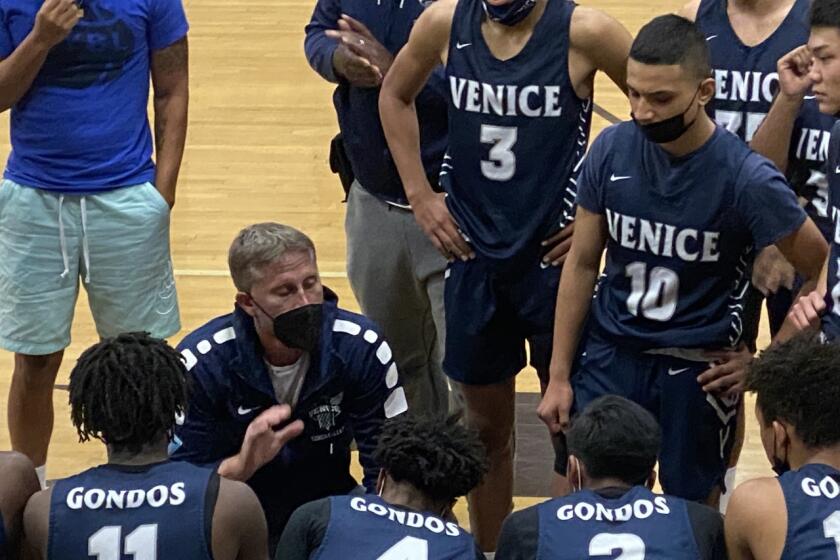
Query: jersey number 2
(408, 548)
(629, 546)
(140, 543)
(502, 163)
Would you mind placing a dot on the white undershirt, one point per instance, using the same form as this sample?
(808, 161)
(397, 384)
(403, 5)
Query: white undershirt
(288, 380)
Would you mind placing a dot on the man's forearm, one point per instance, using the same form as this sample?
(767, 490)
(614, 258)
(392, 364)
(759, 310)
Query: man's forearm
(772, 139)
(574, 298)
(170, 137)
(19, 69)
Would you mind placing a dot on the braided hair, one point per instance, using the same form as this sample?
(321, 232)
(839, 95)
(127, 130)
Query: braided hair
(127, 391)
(443, 460)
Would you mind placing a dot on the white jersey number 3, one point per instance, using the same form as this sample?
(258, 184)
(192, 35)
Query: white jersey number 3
(502, 163)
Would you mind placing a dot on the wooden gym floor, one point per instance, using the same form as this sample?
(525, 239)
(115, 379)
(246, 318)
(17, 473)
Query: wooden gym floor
(260, 125)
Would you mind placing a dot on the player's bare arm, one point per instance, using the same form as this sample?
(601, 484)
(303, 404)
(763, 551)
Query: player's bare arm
(574, 296)
(170, 78)
(689, 11)
(598, 42)
(53, 23)
(807, 250)
(36, 524)
(756, 521)
(426, 48)
(806, 312)
(17, 485)
(239, 527)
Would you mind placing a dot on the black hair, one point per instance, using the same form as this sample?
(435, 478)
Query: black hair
(798, 382)
(127, 391)
(615, 438)
(671, 39)
(825, 13)
(441, 458)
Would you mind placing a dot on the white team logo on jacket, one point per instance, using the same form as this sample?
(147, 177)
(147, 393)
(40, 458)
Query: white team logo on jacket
(326, 414)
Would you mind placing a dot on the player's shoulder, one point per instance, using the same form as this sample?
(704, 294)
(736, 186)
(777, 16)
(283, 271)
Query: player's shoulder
(588, 26)
(435, 23)
(15, 466)
(615, 135)
(689, 10)
(236, 501)
(756, 498)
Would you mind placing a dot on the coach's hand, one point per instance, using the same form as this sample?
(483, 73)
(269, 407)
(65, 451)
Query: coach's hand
(437, 223)
(262, 443)
(806, 312)
(559, 245)
(360, 58)
(55, 20)
(793, 68)
(771, 271)
(555, 406)
(728, 371)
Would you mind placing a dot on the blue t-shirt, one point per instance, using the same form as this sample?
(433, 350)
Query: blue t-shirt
(112, 509)
(831, 319)
(368, 527)
(812, 498)
(82, 126)
(517, 132)
(637, 524)
(746, 79)
(679, 234)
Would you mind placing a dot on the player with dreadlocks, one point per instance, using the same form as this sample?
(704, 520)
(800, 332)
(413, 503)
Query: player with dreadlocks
(427, 464)
(127, 392)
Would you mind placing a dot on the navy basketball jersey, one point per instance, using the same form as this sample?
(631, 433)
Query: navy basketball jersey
(745, 77)
(517, 132)
(806, 162)
(368, 528)
(679, 234)
(145, 512)
(3, 541)
(812, 497)
(831, 318)
(638, 524)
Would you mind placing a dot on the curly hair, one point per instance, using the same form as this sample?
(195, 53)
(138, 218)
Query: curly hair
(442, 459)
(798, 382)
(127, 391)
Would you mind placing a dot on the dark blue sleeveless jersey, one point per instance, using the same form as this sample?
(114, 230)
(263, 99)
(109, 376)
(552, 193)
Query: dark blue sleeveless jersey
(639, 524)
(745, 77)
(368, 527)
(679, 233)
(831, 318)
(3, 541)
(139, 513)
(517, 132)
(812, 497)
(807, 162)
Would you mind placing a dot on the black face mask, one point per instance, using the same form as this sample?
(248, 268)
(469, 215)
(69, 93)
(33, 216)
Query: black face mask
(780, 466)
(299, 328)
(509, 14)
(669, 129)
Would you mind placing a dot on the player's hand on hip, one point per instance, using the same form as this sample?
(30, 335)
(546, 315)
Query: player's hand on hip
(265, 437)
(793, 69)
(558, 246)
(437, 223)
(555, 406)
(727, 372)
(806, 312)
(771, 271)
(55, 20)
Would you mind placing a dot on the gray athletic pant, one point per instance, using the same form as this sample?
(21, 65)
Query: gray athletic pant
(397, 276)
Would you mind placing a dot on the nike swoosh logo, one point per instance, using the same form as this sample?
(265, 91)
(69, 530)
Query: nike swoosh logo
(710, 37)
(837, 170)
(460, 46)
(672, 371)
(243, 411)
(810, 97)
(614, 177)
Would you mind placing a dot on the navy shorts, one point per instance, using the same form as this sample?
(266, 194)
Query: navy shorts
(491, 310)
(698, 429)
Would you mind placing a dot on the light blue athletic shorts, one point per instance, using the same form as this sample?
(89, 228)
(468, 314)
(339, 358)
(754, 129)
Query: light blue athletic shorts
(115, 242)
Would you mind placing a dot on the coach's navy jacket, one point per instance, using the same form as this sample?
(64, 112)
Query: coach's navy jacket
(351, 387)
(390, 21)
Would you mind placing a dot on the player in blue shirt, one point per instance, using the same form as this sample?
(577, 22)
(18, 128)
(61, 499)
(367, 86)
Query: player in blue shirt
(613, 446)
(520, 83)
(17, 484)
(127, 392)
(797, 515)
(679, 204)
(427, 464)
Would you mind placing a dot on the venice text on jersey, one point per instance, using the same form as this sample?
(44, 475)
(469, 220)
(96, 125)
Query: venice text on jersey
(663, 240)
(505, 100)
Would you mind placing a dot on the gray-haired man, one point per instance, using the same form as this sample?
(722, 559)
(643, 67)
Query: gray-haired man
(286, 354)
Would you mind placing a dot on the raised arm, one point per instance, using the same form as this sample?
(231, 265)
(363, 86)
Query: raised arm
(18, 70)
(772, 139)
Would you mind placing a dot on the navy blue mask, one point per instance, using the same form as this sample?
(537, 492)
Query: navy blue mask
(509, 14)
